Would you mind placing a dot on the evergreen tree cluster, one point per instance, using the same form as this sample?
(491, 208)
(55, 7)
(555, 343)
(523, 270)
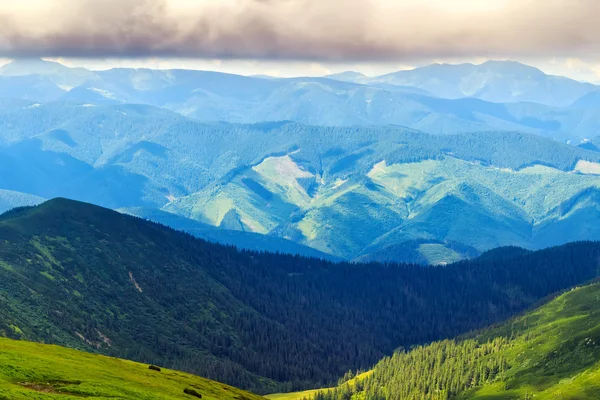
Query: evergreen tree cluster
(434, 372)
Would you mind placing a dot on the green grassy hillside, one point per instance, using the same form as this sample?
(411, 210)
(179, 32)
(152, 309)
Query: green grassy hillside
(37, 371)
(307, 394)
(552, 352)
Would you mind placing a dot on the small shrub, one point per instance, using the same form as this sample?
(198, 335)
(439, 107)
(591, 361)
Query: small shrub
(154, 368)
(192, 392)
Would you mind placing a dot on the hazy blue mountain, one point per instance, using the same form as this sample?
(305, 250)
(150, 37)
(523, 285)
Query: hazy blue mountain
(262, 76)
(29, 87)
(589, 100)
(10, 199)
(345, 177)
(90, 95)
(212, 96)
(350, 192)
(241, 240)
(496, 81)
(34, 66)
(349, 76)
(57, 73)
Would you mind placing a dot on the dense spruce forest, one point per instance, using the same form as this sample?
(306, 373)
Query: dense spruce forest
(87, 277)
(551, 352)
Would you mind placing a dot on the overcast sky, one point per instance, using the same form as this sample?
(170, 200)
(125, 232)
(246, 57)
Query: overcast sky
(304, 37)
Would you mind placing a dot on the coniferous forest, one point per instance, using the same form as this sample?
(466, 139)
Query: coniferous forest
(549, 352)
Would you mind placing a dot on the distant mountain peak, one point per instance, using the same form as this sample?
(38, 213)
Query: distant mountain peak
(349, 76)
(590, 100)
(55, 72)
(347, 73)
(30, 61)
(505, 62)
(31, 66)
(263, 76)
(494, 80)
(512, 67)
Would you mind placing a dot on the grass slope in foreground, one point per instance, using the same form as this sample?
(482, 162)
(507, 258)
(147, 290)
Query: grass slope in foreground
(37, 371)
(550, 353)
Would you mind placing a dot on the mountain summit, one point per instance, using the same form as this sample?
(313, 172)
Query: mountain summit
(495, 81)
(32, 66)
(349, 76)
(56, 72)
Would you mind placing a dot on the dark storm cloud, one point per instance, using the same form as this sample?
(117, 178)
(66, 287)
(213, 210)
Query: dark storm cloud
(332, 30)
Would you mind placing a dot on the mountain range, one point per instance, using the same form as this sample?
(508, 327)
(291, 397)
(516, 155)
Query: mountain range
(391, 170)
(495, 81)
(368, 193)
(435, 99)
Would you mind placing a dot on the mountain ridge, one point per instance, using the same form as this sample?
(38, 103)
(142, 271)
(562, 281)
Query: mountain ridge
(214, 96)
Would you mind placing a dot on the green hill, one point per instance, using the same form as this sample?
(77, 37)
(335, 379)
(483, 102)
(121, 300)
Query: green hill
(93, 279)
(549, 353)
(37, 371)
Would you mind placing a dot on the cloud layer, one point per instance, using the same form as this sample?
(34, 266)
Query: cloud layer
(327, 30)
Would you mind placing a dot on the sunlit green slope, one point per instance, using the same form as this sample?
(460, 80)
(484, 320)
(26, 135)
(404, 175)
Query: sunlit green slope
(422, 211)
(550, 353)
(37, 371)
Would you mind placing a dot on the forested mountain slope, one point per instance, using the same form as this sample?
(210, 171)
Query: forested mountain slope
(412, 191)
(91, 278)
(549, 353)
(44, 372)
